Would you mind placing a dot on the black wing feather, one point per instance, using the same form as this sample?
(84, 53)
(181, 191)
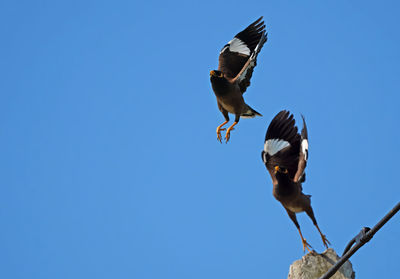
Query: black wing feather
(252, 34)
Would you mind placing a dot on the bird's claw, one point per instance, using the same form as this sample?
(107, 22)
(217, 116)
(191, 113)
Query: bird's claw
(219, 129)
(227, 137)
(325, 240)
(228, 134)
(219, 136)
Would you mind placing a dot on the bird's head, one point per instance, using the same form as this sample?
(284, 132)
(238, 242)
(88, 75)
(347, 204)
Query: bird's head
(216, 74)
(280, 170)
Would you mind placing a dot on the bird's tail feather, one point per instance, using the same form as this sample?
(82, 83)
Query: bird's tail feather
(248, 112)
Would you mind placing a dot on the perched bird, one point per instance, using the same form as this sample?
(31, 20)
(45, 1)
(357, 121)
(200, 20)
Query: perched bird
(285, 155)
(237, 60)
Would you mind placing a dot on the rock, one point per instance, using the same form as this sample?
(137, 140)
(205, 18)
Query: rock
(314, 265)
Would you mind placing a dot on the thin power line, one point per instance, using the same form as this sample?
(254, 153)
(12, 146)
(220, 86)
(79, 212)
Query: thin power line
(363, 237)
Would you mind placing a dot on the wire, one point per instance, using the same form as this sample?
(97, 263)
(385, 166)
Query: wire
(362, 238)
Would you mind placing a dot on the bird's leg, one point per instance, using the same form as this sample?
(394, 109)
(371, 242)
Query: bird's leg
(219, 129)
(310, 213)
(323, 237)
(304, 241)
(292, 216)
(228, 132)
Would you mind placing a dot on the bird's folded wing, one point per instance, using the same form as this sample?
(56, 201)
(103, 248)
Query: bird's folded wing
(303, 157)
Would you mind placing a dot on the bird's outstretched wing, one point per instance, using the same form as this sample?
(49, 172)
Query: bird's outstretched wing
(246, 73)
(238, 57)
(282, 143)
(303, 156)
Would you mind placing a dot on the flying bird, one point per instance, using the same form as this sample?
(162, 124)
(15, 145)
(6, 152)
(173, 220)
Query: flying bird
(237, 60)
(285, 155)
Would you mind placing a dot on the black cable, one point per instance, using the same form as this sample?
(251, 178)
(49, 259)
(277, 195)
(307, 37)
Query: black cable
(363, 237)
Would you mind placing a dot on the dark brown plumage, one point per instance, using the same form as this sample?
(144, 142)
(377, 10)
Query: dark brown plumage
(237, 60)
(285, 155)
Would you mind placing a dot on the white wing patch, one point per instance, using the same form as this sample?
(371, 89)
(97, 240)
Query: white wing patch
(273, 146)
(237, 45)
(304, 148)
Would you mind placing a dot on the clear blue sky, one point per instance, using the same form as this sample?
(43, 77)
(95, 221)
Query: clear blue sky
(110, 166)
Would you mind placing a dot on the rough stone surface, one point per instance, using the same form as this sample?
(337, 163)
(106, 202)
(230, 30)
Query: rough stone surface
(314, 265)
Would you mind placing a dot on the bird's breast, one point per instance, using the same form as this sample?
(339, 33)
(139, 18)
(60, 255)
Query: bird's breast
(285, 191)
(220, 86)
(232, 105)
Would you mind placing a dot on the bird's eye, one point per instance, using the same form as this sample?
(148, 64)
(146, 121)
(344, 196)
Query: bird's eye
(281, 170)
